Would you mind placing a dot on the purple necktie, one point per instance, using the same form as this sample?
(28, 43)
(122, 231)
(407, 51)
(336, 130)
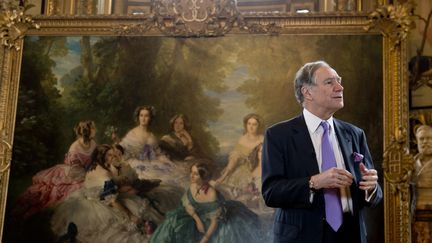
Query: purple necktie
(333, 207)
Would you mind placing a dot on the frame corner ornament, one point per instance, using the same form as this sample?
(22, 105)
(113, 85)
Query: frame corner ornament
(394, 21)
(14, 23)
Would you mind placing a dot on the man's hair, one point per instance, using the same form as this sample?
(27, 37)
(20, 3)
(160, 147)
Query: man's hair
(305, 76)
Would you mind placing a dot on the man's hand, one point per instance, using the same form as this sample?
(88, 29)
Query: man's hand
(332, 178)
(369, 178)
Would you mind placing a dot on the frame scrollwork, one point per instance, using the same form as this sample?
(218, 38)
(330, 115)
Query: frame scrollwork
(5, 152)
(14, 23)
(394, 21)
(193, 18)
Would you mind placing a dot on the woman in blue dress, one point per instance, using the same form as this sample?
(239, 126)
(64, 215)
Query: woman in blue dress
(205, 216)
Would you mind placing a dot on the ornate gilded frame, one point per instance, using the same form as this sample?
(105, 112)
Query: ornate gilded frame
(222, 18)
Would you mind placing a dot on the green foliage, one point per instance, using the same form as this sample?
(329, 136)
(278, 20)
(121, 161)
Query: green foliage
(272, 64)
(37, 123)
(122, 73)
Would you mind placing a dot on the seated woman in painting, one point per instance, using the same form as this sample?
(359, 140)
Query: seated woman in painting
(251, 194)
(205, 216)
(237, 172)
(54, 184)
(254, 162)
(162, 198)
(178, 145)
(249, 191)
(100, 212)
(143, 154)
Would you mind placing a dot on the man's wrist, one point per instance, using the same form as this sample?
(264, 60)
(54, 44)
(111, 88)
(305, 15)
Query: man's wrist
(312, 184)
(370, 194)
(372, 189)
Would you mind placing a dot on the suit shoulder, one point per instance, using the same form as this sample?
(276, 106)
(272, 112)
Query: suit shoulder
(283, 127)
(282, 124)
(349, 126)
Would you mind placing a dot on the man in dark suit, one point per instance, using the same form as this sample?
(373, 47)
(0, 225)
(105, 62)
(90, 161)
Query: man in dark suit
(317, 170)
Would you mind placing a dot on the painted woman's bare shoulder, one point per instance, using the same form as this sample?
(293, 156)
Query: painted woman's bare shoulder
(212, 194)
(242, 139)
(261, 138)
(74, 146)
(133, 130)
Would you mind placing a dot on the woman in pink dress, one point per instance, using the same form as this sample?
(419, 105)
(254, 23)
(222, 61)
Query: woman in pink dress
(54, 184)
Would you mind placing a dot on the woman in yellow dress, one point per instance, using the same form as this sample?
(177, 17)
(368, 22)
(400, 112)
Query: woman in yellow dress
(238, 172)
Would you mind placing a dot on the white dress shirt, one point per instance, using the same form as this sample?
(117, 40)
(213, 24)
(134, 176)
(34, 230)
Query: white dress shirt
(316, 131)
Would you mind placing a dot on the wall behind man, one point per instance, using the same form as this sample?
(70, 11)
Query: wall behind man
(414, 40)
(37, 9)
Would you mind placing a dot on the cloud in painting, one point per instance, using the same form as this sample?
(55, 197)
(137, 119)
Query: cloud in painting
(64, 65)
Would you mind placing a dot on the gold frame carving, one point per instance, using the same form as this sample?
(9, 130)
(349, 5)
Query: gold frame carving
(397, 160)
(394, 22)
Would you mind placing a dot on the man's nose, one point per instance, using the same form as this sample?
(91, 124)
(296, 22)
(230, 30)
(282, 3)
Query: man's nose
(339, 86)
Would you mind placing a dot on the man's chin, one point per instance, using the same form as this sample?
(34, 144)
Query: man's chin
(339, 106)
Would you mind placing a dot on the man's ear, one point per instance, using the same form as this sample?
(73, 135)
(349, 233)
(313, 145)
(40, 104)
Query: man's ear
(306, 92)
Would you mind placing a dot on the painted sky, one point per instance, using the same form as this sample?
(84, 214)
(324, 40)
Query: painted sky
(65, 64)
(229, 127)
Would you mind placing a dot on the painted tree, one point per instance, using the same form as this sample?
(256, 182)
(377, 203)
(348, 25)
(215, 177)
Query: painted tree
(36, 130)
(171, 74)
(271, 63)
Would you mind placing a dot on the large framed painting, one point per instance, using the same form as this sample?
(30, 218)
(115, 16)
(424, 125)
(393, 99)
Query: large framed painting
(172, 90)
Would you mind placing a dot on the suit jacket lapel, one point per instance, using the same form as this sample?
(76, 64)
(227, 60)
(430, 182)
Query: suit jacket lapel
(345, 143)
(304, 146)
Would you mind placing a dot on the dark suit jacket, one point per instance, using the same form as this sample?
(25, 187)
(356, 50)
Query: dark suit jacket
(289, 161)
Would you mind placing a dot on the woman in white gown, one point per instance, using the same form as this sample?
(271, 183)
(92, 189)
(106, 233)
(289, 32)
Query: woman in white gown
(162, 198)
(143, 155)
(100, 213)
(238, 172)
(241, 178)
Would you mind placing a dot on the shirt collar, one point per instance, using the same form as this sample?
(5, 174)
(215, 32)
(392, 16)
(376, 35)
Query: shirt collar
(313, 122)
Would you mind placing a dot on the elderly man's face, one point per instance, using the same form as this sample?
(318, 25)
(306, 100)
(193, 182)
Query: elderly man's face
(424, 141)
(327, 95)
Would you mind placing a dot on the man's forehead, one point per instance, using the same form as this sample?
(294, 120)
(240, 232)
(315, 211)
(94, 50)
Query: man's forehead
(325, 72)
